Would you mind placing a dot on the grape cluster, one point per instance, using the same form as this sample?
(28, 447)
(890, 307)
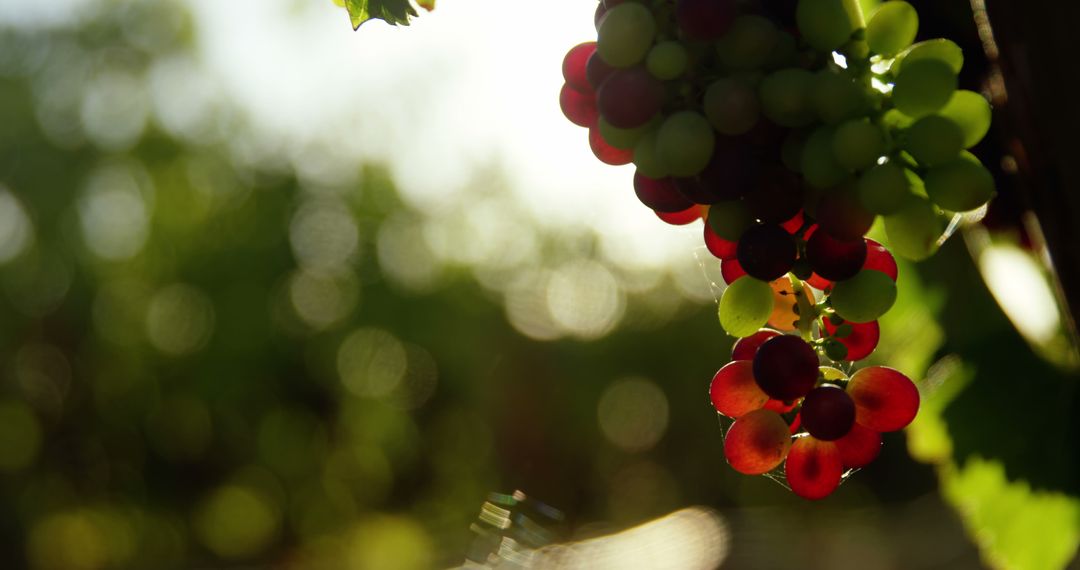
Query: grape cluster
(789, 127)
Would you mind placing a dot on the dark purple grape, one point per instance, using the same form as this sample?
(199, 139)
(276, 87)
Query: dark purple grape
(767, 252)
(828, 412)
(704, 20)
(777, 197)
(786, 367)
(730, 174)
(630, 97)
(597, 70)
(840, 213)
(659, 194)
(833, 259)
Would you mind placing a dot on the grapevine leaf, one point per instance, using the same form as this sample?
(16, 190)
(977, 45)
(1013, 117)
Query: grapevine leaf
(393, 12)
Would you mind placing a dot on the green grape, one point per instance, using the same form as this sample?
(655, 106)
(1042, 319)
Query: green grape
(646, 159)
(785, 52)
(836, 97)
(667, 60)
(785, 97)
(892, 28)
(745, 306)
(729, 219)
(857, 144)
(685, 142)
(938, 49)
(826, 24)
(923, 87)
(625, 35)
(818, 165)
(885, 188)
(865, 297)
(624, 139)
(934, 139)
(971, 112)
(731, 106)
(893, 119)
(960, 185)
(913, 230)
(747, 44)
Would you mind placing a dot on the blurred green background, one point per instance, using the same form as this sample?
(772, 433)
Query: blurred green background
(224, 348)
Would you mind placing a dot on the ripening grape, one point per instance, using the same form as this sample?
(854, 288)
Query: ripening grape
(826, 24)
(892, 28)
(857, 144)
(960, 185)
(835, 259)
(579, 108)
(923, 87)
(971, 112)
(885, 399)
(745, 306)
(859, 447)
(573, 67)
(860, 342)
(937, 49)
(813, 468)
(747, 44)
(836, 97)
(732, 172)
(733, 391)
(785, 97)
(865, 297)
(785, 367)
(913, 231)
(818, 163)
(730, 270)
(646, 159)
(842, 215)
(630, 97)
(718, 246)
(745, 348)
(731, 105)
(730, 219)
(785, 52)
(934, 139)
(828, 412)
(885, 188)
(766, 251)
(667, 60)
(685, 142)
(757, 442)
(795, 223)
(879, 258)
(607, 153)
(687, 216)
(659, 194)
(626, 34)
(704, 20)
(597, 71)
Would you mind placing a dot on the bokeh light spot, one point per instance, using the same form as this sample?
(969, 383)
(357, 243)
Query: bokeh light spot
(237, 522)
(179, 320)
(584, 299)
(633, 414)
(16, 230)
(20, 436)
(371, 362)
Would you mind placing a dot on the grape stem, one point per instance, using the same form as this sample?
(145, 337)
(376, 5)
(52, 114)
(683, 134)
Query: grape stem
(807, 313)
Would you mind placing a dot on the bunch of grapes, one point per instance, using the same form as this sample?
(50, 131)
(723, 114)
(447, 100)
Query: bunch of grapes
(789, 127)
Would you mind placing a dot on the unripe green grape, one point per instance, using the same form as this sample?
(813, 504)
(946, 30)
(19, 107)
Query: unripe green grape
(785, 97)
(892, 28)
(818, 165)
(933, 140)
(893, 119)
(729, 219)
(914, 229)
(731, 106)
(747, 43)
(745, 306)
(939, 49)
(923, 87)
(685, 143)
(865, 297)
(667, 60)
(960, 185)
(826, 24)
(625, 35)
(836, 97)
(857, 144)
(646, 159)
(885, 188)
(624, 139)
(971, 112)
(785, 51)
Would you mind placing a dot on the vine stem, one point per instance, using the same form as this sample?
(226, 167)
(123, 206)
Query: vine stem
(807, 312)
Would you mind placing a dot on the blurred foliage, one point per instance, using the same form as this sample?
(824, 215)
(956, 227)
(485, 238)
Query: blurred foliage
(393, 12)
(209, 358)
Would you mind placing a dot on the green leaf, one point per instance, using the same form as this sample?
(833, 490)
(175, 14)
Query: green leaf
(393, 12)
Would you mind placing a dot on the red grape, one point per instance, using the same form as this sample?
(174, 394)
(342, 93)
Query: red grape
(680, 218)
(746, 347)
(842, 215)
(859, 447)
(573, 67)
(861, 342)
(704, 20)
(786, 367)
(794, 223)
(730, 270)
(733, 390)
(813, 468)
(630, 97)
(835, 259)
(597, 70)
(757, 442)
(659, 194)
(879, 258)
(781, 407)
(578, 107)
(777, 196)
(828, 412)
(767, 252)
(607, 153)
(885, 399)
(718, 246)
